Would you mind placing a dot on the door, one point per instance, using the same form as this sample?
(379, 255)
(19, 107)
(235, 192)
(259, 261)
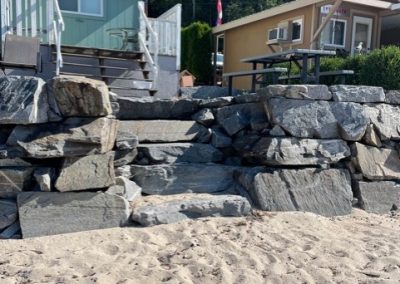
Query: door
(362, 34)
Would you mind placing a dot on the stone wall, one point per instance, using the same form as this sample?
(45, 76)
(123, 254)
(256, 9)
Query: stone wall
(74, 157)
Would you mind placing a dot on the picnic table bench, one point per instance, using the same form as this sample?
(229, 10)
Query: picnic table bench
(341, 74)
(275, 72)
(301, 58)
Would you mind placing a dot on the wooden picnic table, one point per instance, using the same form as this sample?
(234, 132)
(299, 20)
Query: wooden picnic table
(299, 56)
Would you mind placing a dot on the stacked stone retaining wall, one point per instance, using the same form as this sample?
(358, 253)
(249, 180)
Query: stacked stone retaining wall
(74, 157)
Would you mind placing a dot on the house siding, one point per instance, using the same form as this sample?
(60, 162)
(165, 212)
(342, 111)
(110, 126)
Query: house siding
(90, 31)
(250, 39)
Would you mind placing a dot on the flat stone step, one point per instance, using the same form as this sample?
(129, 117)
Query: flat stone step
(150, 210)
(52, 213)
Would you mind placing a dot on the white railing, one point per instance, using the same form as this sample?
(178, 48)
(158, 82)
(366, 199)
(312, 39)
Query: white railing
(168, 27)
(34, 18)
(148, 40)
(59, 27)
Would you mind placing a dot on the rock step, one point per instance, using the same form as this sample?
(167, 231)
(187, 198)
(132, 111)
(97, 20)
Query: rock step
(179, 178)
(51, 213)
(324, 192)
(153, 210)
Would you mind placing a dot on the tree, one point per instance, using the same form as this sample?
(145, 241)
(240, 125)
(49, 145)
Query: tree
(206, 11)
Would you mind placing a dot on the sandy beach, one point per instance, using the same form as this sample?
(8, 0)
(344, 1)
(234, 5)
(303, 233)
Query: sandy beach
(262, 248)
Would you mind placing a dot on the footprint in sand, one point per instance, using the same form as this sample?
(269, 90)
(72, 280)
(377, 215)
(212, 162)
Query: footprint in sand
(111, 250)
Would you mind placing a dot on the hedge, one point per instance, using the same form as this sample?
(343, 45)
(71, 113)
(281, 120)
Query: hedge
(381, 68)
(196, 51)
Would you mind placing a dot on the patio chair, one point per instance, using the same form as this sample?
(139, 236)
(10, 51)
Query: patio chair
(21, 52)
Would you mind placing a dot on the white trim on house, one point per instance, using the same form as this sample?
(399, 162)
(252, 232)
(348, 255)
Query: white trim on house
(361, 20)
(290, 7)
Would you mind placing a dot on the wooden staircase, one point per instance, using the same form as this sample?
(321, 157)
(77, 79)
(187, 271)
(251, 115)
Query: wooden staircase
(124, 72)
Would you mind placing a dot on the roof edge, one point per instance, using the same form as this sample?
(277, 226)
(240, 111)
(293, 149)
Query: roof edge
(292, 6)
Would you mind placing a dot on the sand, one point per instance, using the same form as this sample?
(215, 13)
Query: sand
(262, 248)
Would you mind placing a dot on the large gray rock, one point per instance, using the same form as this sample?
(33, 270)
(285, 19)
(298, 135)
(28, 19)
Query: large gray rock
(379, 197)
(217, 102)
(125, 188)
(376, 163)
(192, 207)
(11, 232)
(206, 92)
(277, 131)
(126, 141)
(150, 108)
(308, 92)
(393, 97)
(219, 139)
(51, 213)
(371, 138)
(80, 96)
(237, 117)
(386, 119)
(319, 119)
(8, 213)
(204, 116)
(74, 137)
(90, 172)
(180, 153)
(358, 94)
(13, 180)
(324, 192)
(124, 157)
(297, 152)
(165, 131)
(23, 100)
(183, 178)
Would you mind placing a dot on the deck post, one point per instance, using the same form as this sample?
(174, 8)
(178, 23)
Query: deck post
(178, 36)
(33, 12)
(50, 21)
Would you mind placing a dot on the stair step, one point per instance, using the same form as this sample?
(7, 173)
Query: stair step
(102, 52)
(105, 76)
(104, 67)
(94, 66)
(139, 60)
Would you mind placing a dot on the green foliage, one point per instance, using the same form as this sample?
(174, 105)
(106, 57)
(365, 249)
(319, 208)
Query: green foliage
(196, 51)
(381, 68)
(236, 9)
(206, 10)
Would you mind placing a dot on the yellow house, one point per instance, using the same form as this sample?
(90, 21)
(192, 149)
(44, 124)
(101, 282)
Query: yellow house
(341, 25)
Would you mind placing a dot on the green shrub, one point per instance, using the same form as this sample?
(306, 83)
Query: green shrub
(331, 64)
(382, 68)
(196, 51)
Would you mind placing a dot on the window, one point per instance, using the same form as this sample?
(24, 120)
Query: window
(334, 33)
(85, 7)
(297, 30)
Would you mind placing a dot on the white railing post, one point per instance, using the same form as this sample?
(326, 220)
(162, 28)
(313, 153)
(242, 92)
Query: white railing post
(50, 21)
(148, 39)
(18, 11)
(33, 11)
(59, 27)
(178, 36)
